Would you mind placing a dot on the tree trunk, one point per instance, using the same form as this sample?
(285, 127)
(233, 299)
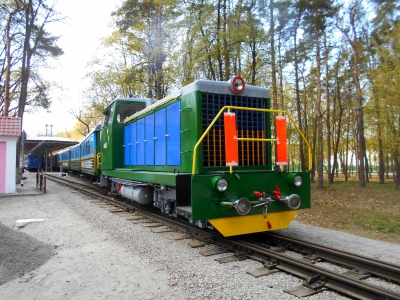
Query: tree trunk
(360, 123)
(320, 159)
(298, 106)
(273, 64)
(8, 62)
(219, 55)
(328, 109)
(226, 48)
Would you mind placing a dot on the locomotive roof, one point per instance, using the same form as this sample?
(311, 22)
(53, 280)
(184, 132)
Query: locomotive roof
(217, 87)
(223, 87)
(147, 101)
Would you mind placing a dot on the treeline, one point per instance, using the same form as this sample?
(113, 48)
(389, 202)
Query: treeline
(26, 46)
(334, 65)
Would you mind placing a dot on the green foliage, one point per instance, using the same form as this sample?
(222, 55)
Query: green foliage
(27, 47)
(159, 45)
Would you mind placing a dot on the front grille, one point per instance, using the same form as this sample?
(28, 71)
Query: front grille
(249, 124)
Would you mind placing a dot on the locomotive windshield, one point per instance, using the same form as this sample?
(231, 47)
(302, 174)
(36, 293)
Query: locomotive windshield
(126, 110)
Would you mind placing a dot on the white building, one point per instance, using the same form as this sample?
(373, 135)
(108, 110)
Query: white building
(10, 130)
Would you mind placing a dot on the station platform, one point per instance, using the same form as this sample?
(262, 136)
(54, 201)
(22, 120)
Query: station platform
(27, 189)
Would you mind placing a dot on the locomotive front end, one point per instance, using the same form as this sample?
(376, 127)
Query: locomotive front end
(236, 186)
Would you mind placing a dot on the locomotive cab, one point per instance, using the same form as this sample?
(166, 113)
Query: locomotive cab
(111, 131)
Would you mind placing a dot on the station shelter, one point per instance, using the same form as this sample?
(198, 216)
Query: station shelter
(47, 146)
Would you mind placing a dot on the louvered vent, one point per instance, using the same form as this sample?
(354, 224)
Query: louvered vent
(249, 124)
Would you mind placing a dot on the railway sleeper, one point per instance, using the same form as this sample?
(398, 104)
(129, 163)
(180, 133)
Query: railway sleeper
(310, 286)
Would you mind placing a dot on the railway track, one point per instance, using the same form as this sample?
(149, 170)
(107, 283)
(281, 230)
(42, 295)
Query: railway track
(321, 268)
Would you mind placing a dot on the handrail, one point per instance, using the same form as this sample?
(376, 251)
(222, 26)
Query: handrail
(99, 155)
(228, 107)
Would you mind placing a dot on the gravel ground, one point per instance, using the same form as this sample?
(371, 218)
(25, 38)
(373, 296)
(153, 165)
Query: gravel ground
(98, 255)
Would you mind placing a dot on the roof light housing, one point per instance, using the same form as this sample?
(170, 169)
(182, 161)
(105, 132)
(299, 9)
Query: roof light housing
(237, 84)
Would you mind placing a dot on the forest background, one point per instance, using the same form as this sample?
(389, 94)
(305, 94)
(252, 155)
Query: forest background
(334, 65)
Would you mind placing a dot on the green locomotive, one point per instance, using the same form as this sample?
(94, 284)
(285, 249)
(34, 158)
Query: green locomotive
(204, 154)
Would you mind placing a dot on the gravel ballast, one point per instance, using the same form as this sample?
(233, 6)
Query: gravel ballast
(20, 253)
(99, 255)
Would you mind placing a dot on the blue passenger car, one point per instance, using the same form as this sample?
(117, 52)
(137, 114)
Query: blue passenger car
(65, 160)
(34, 162)
(75, 158)
(89, 149)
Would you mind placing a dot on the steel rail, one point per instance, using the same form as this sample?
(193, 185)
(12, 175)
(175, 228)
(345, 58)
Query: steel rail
(317, 252)
(317, 277)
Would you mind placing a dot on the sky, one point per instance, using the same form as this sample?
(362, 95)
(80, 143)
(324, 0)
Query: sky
(80, 38)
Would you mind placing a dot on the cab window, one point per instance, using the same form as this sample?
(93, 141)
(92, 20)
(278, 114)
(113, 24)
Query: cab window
(107, 116)
(125, 110)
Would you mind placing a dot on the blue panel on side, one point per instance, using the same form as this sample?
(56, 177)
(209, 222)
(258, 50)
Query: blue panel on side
(94, 143)
(149, 144)
(127, 138)
(160, 141)
(133, 145)
(140, 143)
(174, 134)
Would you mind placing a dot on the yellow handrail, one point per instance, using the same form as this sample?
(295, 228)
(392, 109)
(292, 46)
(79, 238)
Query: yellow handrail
(249, 139)
(99, 155)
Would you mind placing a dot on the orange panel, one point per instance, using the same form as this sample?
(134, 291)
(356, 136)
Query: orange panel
(281, 149)
(231, 143)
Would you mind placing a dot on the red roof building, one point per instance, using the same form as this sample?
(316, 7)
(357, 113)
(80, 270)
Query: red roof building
(10, 126)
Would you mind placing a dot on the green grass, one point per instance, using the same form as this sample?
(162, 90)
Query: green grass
(373, 211)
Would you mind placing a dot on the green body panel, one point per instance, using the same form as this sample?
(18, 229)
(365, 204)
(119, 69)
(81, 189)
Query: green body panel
(190, 128)
(143, 176)
(111, 147)
(206, 199)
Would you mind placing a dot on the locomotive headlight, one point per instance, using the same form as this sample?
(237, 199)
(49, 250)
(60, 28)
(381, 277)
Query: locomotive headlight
(237, 84)
(295, 180)
(243, 206)
(220, 184)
